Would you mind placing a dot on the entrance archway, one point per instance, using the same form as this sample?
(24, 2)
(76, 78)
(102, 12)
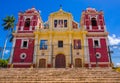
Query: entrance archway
(78, 62)
(60, 61)
(42, 63)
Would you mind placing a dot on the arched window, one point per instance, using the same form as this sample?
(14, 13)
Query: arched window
(94, 22)
(27, 22)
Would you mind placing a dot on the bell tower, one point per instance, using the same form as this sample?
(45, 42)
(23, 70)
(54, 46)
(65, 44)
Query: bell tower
(93, 21)
(23, 53)
(96, 51)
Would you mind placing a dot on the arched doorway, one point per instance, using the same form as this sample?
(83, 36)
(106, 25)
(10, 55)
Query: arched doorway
(78, 62)
(60, 61)
(42, 63)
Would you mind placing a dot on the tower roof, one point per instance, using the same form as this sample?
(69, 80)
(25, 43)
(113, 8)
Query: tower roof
(29, 11)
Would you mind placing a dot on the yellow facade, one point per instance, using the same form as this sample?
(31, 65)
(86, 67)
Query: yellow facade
(53, 35)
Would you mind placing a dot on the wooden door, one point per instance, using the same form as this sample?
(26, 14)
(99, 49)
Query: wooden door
(60, 61)
(78, 62)
(42, 63)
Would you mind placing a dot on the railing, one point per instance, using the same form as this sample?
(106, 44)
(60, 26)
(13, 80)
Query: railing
(114, 51)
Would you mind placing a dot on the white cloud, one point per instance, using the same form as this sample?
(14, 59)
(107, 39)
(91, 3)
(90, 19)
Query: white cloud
(113, 40)
(7, 51)
(40, 11)
(118, 64)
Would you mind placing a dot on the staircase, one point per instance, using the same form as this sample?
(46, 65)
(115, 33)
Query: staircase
(59, 75)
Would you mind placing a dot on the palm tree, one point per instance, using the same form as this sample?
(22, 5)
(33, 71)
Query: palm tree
(8, 24)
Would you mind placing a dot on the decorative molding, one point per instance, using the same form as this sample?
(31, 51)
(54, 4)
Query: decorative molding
(23, 57)
(22, 63)
(97, 34)
(99, 55)
(99, 43)
(23, 34)
(22, 44)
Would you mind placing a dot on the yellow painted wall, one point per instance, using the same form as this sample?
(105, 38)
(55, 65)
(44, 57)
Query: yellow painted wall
(53, 35)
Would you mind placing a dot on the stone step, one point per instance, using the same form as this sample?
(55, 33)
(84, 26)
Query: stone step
(60, 82)
(60, 75)
(53, 79)
(42, 76)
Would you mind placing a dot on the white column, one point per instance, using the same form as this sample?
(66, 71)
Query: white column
(35, 49)
(21, 28)
(30, 28)
(70, 42)
(99, 27)
(50, 49)
(87, 54)
(85, 49)
(84, 27)
(90, 27)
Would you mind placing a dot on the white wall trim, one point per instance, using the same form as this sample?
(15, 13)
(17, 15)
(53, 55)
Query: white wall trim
(98, 54)
(85, 27)
(25, 17)
(99, 43)
(22, 63)
(30, 28)
(35, 50)
(93, 17)
(99, 27)
(22, 43)
(100, 63)
(88, 53)
(21, 29)
(25, 38)
(90, 27)
(21, 57)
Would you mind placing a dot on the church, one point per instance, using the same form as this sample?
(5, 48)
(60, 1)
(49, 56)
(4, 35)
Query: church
(60, 42)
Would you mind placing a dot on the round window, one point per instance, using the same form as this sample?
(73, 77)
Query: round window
(98, 56)
(23, 56)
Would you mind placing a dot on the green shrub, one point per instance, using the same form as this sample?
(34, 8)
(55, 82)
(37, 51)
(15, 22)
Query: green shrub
(3, 63)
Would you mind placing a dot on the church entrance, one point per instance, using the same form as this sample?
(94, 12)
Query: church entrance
(78, 62)
(42, 63)
(60, 61)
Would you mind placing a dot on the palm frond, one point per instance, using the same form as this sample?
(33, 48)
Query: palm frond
(8, 22)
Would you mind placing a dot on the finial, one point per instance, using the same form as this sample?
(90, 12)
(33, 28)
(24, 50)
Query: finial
(33, 8)
(60, 7)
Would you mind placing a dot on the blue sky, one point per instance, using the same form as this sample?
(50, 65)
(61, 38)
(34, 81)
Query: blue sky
(110, 8)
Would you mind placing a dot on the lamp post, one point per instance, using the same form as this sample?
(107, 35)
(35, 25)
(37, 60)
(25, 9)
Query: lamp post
(109, 52)
(96, 56)
(71, 55)
(0, 52)
(52, 56)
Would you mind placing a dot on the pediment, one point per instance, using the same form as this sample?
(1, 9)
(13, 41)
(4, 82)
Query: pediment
(60, 13)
